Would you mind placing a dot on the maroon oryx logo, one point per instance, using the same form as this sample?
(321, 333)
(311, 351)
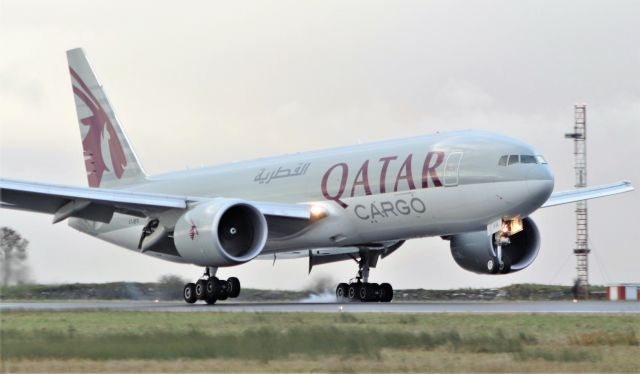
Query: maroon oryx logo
(193, 231)
(92, 142)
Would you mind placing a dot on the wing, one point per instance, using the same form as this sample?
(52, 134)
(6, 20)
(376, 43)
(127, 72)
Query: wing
(566, 197)
(99, 204)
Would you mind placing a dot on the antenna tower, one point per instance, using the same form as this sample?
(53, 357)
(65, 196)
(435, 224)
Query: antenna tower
(579, 136)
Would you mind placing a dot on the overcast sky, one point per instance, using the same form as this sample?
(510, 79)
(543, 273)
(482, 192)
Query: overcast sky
(201, 83)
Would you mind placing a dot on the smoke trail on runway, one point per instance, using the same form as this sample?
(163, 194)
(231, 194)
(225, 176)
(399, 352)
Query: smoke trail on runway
(321, 290)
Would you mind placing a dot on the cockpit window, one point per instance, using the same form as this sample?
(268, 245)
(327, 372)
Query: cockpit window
(503, 161)
(524, 159)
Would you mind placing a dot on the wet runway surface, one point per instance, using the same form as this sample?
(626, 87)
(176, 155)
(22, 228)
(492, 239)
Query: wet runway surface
(590, 307)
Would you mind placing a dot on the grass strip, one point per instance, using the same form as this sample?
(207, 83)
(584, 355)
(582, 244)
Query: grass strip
(264, 343)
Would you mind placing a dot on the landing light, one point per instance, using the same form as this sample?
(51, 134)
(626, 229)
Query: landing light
(512, 226)
(516, 225)
(317, 212)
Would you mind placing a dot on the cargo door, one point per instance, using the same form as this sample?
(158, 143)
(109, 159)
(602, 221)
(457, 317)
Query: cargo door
(451, 169)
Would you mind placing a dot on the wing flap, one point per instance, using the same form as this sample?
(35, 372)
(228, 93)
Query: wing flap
(567, 197)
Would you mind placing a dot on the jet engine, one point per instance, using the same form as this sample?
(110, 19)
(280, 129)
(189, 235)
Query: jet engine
(477, 251)
(222, 232)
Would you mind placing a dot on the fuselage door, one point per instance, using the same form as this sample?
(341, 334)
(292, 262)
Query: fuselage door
(451, 169)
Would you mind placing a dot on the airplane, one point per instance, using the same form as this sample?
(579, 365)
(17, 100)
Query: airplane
(359, 203)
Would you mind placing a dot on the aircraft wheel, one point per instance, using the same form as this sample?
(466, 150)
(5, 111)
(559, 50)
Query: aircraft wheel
(201, 289)
(210, 300)
(373, 292)
(342, 292)
(189, 293)
(386, 292)
(364, 292)
(234, 287)
(369, 292)
(376, 294)
(212, 287)
(492, 265)
(354, 292)
(223, 287)
(506, 266)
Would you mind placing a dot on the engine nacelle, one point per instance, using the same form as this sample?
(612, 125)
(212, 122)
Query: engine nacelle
(473, 250)
(222, 232)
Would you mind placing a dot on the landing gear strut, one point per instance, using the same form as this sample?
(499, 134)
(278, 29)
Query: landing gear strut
(360, 289)
(501, 263)
(211, 289)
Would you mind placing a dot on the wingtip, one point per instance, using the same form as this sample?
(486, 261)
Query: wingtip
(74, 51)
(627, 185)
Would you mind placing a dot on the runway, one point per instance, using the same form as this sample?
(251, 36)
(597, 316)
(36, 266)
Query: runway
(586, 307)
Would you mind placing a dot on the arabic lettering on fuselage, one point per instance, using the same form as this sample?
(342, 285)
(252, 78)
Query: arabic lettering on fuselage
(432, 161)
(264, 177)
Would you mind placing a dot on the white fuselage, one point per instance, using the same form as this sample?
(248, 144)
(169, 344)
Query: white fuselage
(424, 186)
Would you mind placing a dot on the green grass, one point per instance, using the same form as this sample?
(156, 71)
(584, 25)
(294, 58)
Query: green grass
(561, 355)
(264, 343)
(242, 341)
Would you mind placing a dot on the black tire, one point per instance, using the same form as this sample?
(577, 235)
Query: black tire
(492, 265)
(201, 289)
(354, 292)
(223, 286)
(386, 292)
(189, 293)
(234, 287)
(210, 300)
(369, 292)
(342, 292)
(506, 268)
(212, 288)
(364, 292)
(375, 292)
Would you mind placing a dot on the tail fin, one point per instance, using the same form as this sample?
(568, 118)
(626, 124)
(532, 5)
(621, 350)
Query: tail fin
(109, 157)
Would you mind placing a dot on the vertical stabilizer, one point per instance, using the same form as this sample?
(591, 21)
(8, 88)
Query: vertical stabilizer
(109, 157)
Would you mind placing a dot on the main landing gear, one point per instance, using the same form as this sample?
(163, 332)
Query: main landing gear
(211, 289)
(361, 289)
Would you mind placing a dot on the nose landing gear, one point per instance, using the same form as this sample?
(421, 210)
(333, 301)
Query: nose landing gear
(211, 289)
(360, 289)
(501, 263)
